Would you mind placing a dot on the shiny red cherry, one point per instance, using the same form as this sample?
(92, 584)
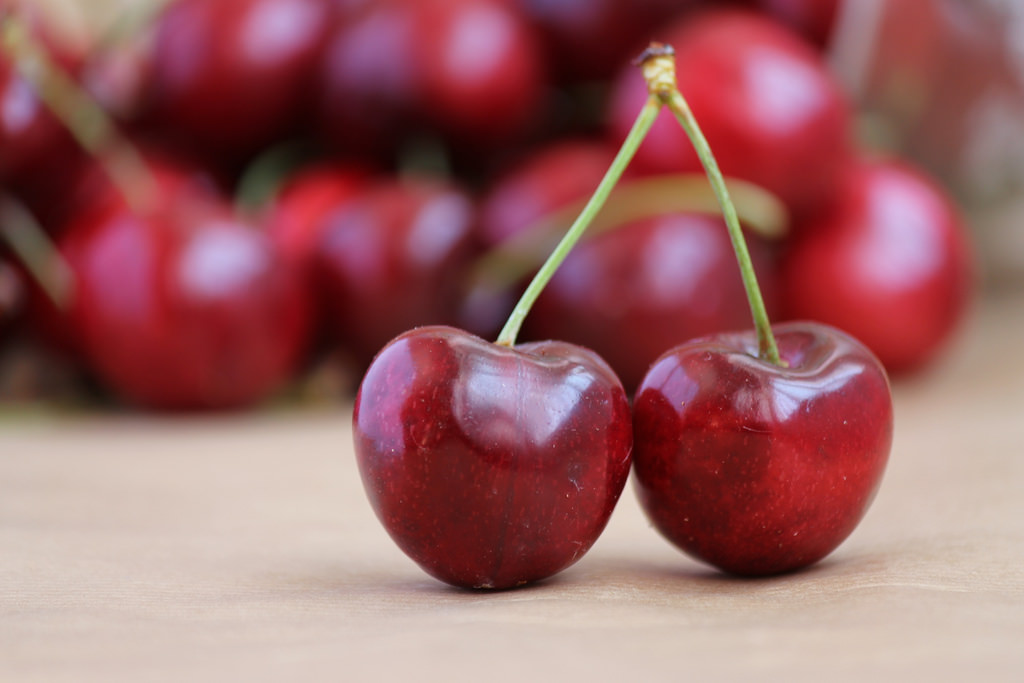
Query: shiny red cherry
(643, 287)
(890, 263)
(769, 108)
(232, 77)
(757, 468)
(491, 466)
(467, 69)
(393, 258)
(184, 307)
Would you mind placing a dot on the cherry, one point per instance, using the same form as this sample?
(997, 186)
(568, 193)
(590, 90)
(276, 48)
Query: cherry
(672, 276)
(392, 258)
(183, 306)
(890, 262)
(494, 465)
(234, 76)
(770, 109)
(467, 69)
(491, 466)
(757, 452)
(758, 468)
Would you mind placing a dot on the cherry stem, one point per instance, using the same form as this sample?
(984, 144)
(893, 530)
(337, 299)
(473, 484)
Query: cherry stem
(643, 123)
(658, 63)
(90, 125)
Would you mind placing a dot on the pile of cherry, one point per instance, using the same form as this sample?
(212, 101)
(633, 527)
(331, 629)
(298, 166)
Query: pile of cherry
(392, 143)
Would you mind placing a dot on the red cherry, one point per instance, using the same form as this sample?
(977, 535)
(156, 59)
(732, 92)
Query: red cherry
(186, 307)
(890, 263)
(756, 468)
(469, 69)
(391, 259)
(491, 466)
(640, 288)
(770, 110)
(234, 76)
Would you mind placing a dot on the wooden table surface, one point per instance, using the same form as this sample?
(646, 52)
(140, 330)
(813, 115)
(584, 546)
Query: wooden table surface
(136, 548)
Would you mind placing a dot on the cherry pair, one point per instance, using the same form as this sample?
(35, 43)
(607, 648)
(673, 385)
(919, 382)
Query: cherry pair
(494, 465)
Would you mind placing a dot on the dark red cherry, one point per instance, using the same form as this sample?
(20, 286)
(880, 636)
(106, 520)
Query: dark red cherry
(232, 77)
(769, 108)
(757, 468)
(467, 69)
(185, 307)
(491, 466)
(890, 262)
(393, 258)
(645, 286)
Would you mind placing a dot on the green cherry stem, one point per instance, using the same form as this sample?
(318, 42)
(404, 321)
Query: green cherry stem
(643, 123)
(658, 63)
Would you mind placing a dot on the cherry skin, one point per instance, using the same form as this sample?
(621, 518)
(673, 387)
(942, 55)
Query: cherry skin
(393, 258)
(640, 288)
(234, 76)
(765, 101)
(469, 70)
(185, 307)
(491, 466)
(755, 468)
(890, 262)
